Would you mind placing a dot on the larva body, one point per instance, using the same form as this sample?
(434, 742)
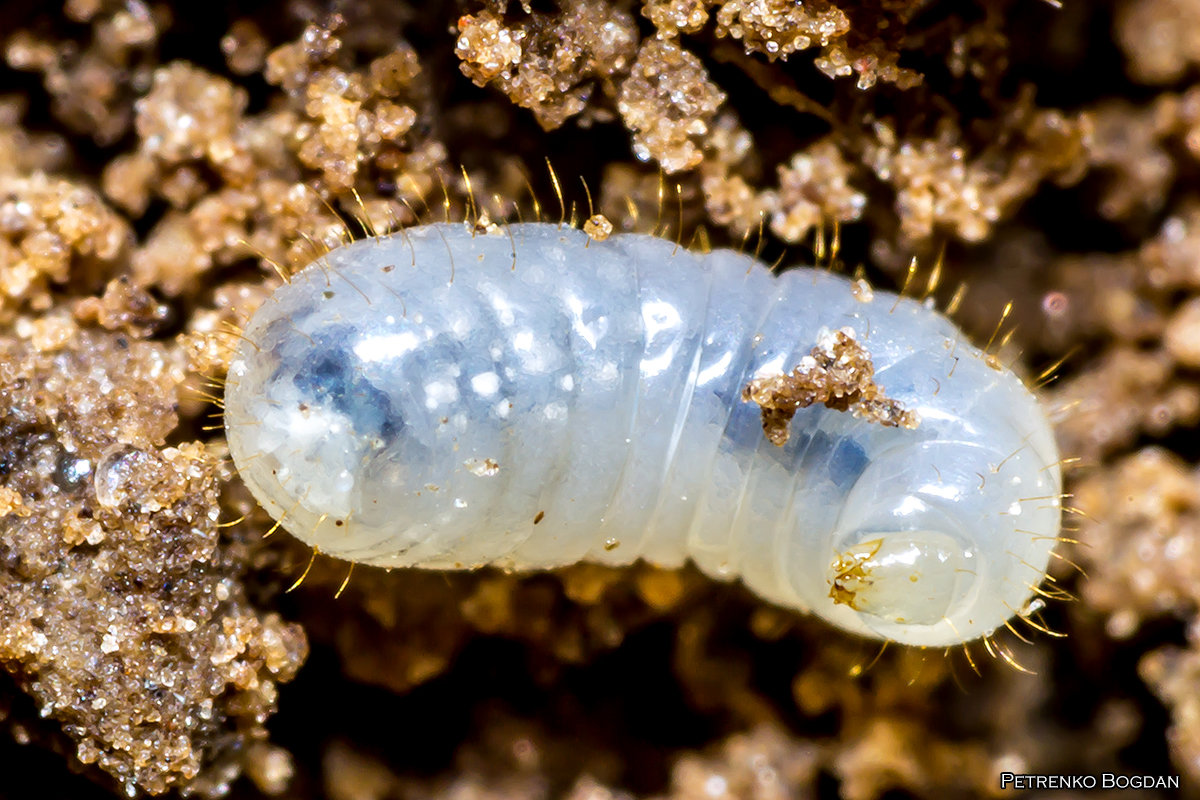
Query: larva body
(530, 398)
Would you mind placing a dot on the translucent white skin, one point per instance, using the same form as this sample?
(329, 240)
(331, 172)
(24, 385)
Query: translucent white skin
(530, 398)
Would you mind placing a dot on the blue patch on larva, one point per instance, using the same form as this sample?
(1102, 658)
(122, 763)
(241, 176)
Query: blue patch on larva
(333, 379)
(848, 462)
(530, 397)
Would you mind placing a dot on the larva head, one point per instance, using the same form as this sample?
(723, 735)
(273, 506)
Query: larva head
(941, 542)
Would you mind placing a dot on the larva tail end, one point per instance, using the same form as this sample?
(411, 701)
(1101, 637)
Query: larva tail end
(897, 580)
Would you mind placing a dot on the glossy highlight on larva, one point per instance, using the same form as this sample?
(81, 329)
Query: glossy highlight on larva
(447, 397)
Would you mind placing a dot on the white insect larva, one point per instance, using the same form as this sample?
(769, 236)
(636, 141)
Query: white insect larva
(531, 397)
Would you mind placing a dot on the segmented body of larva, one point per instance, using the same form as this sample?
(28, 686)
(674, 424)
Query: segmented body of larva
(529, 397)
